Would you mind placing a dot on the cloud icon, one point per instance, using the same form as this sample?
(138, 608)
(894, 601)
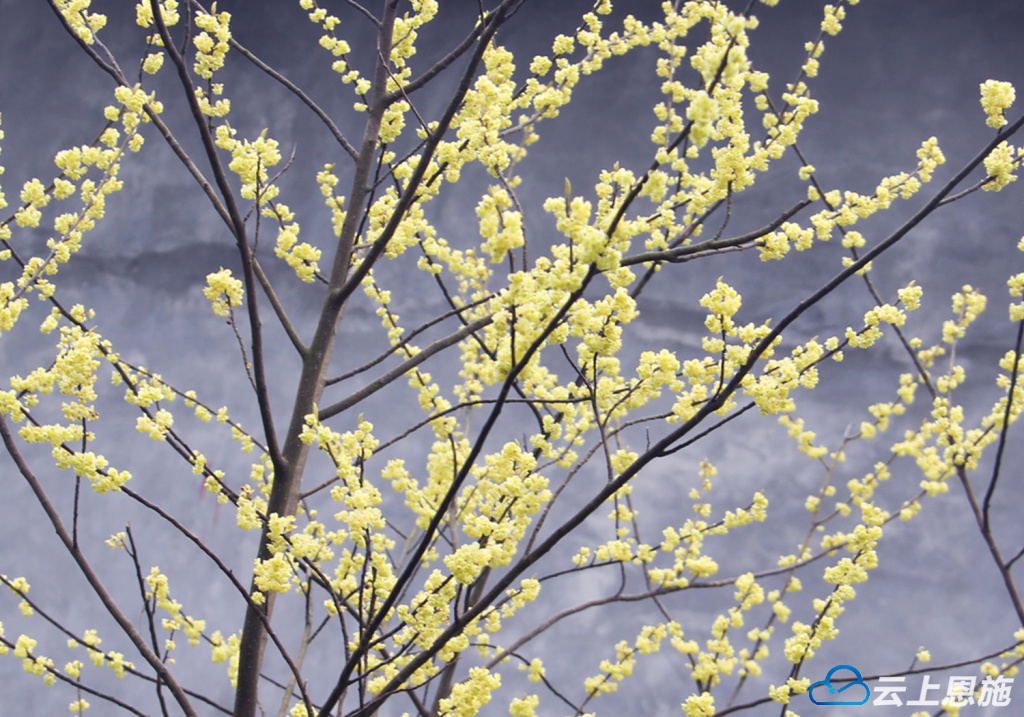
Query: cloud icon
(849, 698)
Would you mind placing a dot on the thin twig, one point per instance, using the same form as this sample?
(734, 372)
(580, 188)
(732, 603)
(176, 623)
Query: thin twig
(303, 97)
(1007, 417)
(402, 368)
(90, 575)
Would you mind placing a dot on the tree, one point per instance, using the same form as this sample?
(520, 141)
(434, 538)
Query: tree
(416, 538)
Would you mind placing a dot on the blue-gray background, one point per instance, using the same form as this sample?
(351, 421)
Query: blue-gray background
(900, 72)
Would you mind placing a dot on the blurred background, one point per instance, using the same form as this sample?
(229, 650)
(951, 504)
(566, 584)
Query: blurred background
(900, 72)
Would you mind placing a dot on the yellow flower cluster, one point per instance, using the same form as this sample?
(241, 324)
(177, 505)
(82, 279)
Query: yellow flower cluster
(612, 672)
(84, 23)
(135, 102)
(524, 707)
(328, 182)
(500, 227)
(349, 451)
(302, 257)
(834, 14)
(273, 574)
(20, 587)
(845, 209)
(212, 43)
(943, 443)
(74, 164)
(996, 98)
(152, 63)
(405, 34)
(115, 661)
(329, 41)
(218, 108)
(159, 592)
(226, 651)
(168, 11)
(250, 161)
(157, 426)
(497, 509)
(471, 695)
(1000, 164)
(702, 705)
(1016, 284)
(686, 544)
(73, 373)
(223, 291)
(34, 665)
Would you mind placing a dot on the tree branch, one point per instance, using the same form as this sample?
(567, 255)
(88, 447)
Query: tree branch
(401, 369)
(90, 575)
